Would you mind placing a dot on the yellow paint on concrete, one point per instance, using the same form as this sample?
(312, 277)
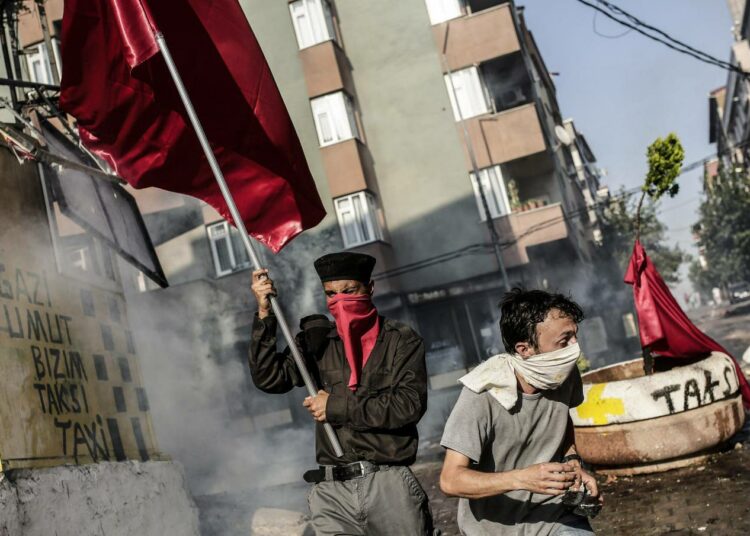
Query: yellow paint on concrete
(596, 408)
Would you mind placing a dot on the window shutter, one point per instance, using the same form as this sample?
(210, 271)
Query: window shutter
(357, 215)
(466, 93)
(221, 248)
(312, 22)
(301, 21)
(492, 183)
(334, 118)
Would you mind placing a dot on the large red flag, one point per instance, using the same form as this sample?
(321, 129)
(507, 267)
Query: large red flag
(117, 86)
(664, 326)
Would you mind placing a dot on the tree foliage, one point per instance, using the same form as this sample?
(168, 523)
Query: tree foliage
(619, 232)
(665, 157)
(724, 233)
(626, 218)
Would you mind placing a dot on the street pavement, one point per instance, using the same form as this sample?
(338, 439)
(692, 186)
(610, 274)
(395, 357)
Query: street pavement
(710, 499)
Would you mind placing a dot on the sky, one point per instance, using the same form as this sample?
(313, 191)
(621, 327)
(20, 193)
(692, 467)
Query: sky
(625, 92)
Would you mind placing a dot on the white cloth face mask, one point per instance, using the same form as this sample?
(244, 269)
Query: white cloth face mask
(548, 370)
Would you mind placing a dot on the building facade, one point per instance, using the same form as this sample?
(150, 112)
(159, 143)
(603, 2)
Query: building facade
(729, 106)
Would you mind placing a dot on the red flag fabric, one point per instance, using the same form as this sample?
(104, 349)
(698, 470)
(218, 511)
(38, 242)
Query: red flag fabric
(664, 326)
(116, 84)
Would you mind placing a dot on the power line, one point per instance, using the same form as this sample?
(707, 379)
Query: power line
(636, 24)
(483, 248)
(600, 34)
(635, 20)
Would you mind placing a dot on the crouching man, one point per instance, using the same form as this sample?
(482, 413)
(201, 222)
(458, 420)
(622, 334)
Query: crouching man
(373, 380)
(510, 447)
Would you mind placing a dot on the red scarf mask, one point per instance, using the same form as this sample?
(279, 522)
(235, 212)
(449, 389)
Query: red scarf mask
(358, 325)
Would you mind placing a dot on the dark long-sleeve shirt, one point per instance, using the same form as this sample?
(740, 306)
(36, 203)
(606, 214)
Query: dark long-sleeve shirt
(378, 421)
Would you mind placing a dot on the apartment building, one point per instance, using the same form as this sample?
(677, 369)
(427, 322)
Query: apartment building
(429, 117)
(729, 106)
(421, 120)
(736, 11)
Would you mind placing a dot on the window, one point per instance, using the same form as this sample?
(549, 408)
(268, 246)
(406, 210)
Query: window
(91, 220)
(334, 118)
(357, 214)
(80, 258)
(465, 87)
(492, 183)
(37, 59)
(507, 81)
(443, 10)
(227, 249)
(312, 21)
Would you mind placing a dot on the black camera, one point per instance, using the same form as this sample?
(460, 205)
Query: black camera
(581, 502)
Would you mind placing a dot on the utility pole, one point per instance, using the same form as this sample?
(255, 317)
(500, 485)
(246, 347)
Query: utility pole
(494, 237)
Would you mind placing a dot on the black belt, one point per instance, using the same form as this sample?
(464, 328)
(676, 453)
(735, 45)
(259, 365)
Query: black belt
(340, 472)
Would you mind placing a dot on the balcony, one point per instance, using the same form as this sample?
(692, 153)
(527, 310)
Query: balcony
(326, 69)
(530, 228)
(477, 37)
(505, 136)
(348, 167)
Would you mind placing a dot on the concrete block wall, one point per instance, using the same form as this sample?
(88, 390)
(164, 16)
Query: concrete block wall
(112, 499)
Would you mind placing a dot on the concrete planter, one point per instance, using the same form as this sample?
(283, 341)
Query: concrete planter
(651, 423)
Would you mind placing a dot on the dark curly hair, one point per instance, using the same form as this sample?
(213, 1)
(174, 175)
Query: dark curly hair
(521, 310)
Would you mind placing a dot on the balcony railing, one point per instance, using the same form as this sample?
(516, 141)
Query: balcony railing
(348, 167)
(505, 136)
(326, 69)
(530, 228)
(477, 37)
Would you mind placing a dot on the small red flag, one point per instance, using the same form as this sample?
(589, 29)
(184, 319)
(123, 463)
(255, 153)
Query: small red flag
(117, 86)
(664, 326)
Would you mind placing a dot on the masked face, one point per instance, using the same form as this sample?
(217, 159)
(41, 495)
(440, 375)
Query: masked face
(358, 325)
(548, 370)
(349, 308)
(549, 363)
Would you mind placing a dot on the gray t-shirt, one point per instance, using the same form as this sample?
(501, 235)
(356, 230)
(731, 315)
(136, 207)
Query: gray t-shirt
(496, 440)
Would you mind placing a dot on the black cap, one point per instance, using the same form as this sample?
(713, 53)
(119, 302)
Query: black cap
(345, 265)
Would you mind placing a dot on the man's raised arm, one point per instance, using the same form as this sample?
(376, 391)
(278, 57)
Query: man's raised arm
(272, 371)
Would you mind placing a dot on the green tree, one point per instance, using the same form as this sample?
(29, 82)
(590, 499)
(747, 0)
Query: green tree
(619, 227)
(627, 220)
(724, 232)
(665, 158)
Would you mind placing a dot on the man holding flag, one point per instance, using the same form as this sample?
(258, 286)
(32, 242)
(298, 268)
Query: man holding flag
(373, 381)
(135, 79)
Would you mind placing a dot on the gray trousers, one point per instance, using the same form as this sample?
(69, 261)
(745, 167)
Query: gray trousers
(390, 502)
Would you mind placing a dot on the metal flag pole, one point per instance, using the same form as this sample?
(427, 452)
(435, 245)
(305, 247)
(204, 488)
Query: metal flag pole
(309, 384)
